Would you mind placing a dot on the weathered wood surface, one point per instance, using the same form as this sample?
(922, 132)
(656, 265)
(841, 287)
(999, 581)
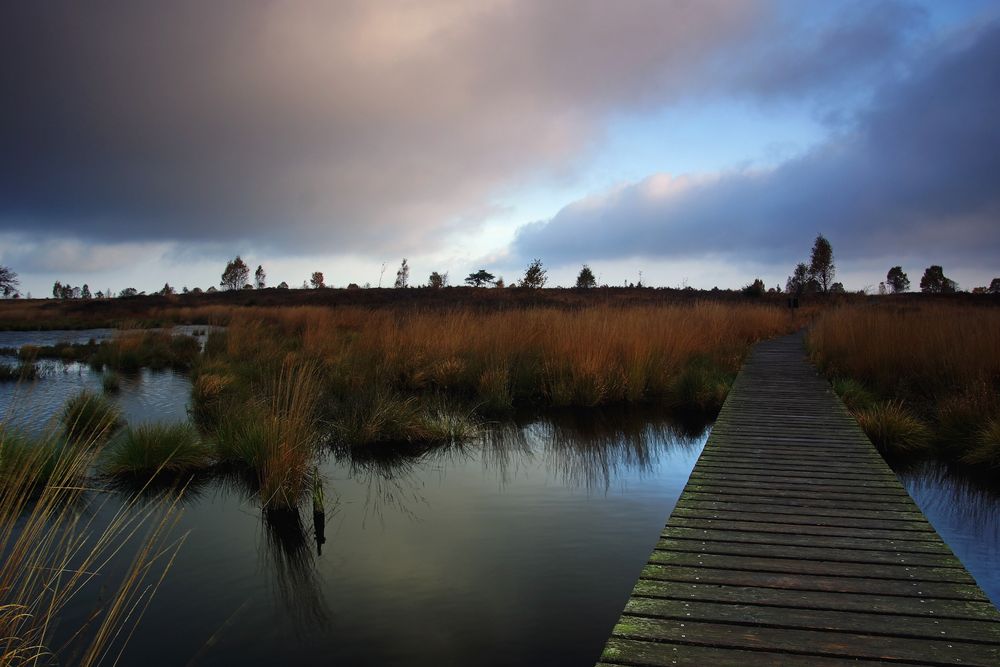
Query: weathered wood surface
(793, 543)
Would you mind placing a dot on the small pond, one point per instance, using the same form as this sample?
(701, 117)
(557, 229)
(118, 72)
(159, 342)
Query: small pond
(518, 548)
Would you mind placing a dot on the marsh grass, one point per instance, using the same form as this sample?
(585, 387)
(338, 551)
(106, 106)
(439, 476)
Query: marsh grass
(597, 355)
(149, 450)
(893, 429)
(90, 417)
(131, 350)
(854, 394)
(941, 359)
(53, 549)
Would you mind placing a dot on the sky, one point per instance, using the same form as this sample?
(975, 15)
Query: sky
(684, 143)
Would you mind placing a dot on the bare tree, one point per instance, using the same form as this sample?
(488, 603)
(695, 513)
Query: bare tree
(260, 277)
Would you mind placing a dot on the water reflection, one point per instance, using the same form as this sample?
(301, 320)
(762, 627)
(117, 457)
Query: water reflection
(964, 507)
(590, 450)
(145, 396)
(289, 561)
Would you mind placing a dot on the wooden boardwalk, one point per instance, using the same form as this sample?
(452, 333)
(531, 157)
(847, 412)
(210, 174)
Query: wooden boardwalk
(793, 543)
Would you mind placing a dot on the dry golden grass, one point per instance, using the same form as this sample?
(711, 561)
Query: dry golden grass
(53, 548)
(588, 356)
(926, 349)
(941, 360)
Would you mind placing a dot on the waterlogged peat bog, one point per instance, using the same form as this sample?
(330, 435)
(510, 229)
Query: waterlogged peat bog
(517, 546)
(377, 487)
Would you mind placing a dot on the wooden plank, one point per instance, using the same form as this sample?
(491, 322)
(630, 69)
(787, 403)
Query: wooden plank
(687, 513)
(834, 470)
(809, 582)
(709, 502)
(905, 572)
(761, 478)
(764, 497)
(620, 651)
(773, 597)
(894, 491)
(770, 526)
(811, 642)
(936, 547)
(875, 624)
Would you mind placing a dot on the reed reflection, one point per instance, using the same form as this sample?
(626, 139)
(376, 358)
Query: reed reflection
(581, 449)
(589, 449)
(289, 558)
(973, 500)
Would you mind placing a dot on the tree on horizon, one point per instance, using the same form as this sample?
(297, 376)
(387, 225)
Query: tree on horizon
(586, 279)
(260, 277)
(534, 275)
(8, 281)
(402, 276)
(438, 280)
(821, 267)
(316, 280)
(935, 282)
(236, 274)
(480, 278)
(799, 282)
(897, 280)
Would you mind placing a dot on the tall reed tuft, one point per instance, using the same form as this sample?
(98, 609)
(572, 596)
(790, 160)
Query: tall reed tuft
(275, 436)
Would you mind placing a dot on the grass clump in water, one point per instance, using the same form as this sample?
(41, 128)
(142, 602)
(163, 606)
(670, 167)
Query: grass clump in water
(275, 438)
(133, 350)
(111, 383)
(893, 429)
(384, 417)
(150, 449)
(90, 417)
(26, 460)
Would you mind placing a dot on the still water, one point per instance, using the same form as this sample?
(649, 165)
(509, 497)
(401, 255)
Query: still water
(518, 548)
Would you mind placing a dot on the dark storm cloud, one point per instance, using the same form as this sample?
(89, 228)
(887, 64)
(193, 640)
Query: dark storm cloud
(919, 172)
(346, 126)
